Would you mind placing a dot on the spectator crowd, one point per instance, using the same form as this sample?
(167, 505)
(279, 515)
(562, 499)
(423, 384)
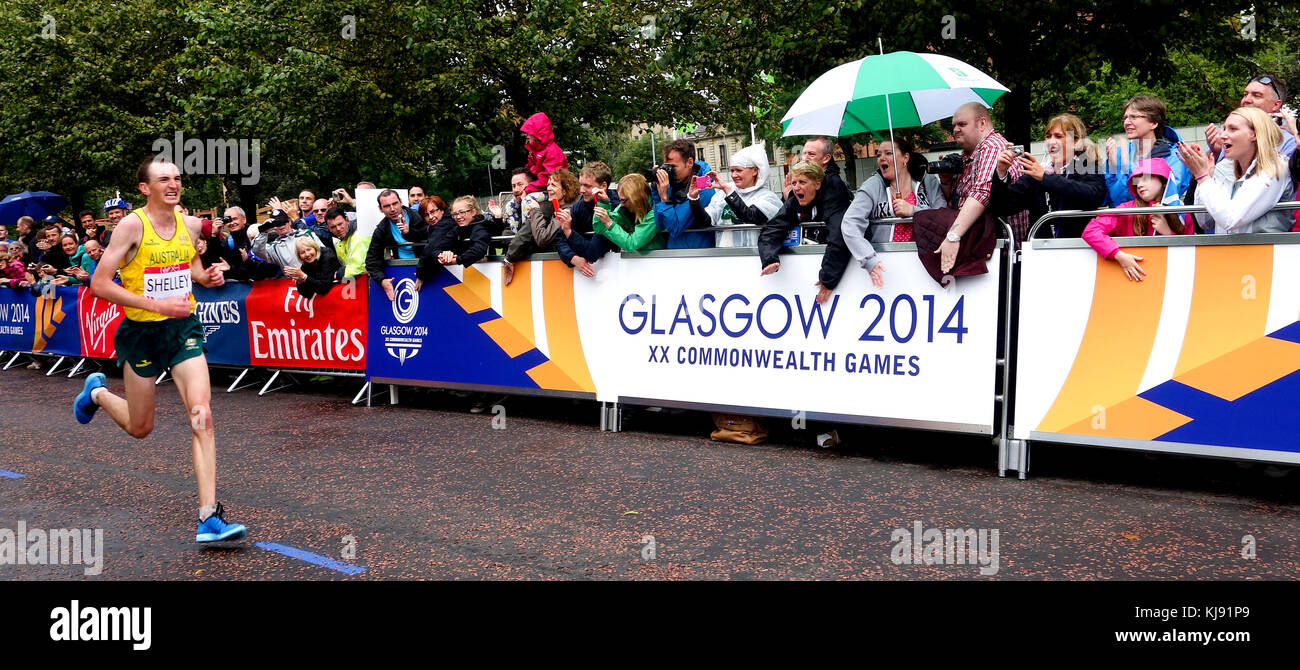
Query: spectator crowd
(1248, 164)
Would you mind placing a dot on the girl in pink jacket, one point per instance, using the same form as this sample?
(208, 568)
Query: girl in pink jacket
(544, 155)
(1147, 184)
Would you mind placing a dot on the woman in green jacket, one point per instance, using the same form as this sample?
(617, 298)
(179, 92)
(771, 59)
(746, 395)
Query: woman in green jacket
(632, 226)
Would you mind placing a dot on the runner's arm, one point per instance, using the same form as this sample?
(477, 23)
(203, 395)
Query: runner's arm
(126, 237)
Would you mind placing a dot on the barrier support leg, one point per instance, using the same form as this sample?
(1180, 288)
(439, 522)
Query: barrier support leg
(365, 390)
(266, 388)
(611, 417)
(90, 364)
(368, 392)
(77, 368)
(162, 377)
(1010, 451)
(54, 367)
(235, 386)
(13, 360)
(1013, 455)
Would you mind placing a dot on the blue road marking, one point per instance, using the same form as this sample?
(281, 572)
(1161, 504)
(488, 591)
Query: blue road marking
(11, 475)
(316, 559)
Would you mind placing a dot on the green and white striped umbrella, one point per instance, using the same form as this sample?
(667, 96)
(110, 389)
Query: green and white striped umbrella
(919, 88)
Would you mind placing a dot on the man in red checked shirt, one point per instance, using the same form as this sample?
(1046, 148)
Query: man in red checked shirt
(972, 128)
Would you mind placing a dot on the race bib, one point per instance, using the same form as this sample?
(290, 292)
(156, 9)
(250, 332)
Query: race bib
(171, 281)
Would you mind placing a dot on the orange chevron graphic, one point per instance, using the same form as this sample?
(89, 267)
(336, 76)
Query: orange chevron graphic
(517, 303)
(49, 314)
(514, 332)
(473, 293)
(548, 375)
(1135, 419)
(1247, 368)
(1226, 313)
(510, 340)
(1244, 369)
(562, 325)
(1116, 342)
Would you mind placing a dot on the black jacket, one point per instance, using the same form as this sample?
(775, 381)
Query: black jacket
(54, 256)
(829, 206)
(469, 242)
(240, 269)
(1081, 188)
(836, 257)
(218, 251)
(322, 274)
(580, 241)
(383, 239)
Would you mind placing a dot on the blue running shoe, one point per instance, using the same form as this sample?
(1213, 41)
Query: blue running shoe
(83, 407)
(215, 528)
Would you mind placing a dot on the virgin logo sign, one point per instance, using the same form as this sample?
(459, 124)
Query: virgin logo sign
(99, 321)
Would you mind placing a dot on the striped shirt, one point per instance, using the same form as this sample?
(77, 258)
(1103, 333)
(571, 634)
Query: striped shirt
(977, 177)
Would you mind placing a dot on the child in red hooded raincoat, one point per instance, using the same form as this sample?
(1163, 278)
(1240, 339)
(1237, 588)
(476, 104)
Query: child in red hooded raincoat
(544, 155)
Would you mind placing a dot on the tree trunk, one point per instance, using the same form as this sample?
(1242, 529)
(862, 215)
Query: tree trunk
(77, 202)
(247, 200)
(1015, 115)
(850, 164)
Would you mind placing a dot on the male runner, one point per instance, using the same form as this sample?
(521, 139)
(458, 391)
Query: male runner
(153, 248)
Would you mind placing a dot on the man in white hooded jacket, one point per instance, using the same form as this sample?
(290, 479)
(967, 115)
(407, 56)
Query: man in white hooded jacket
(748, 199)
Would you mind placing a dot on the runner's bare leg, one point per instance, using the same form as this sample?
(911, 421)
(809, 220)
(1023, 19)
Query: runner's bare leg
(192, 381)
(135, 412)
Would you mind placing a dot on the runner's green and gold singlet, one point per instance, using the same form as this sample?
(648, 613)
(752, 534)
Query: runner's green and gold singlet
(160, 268)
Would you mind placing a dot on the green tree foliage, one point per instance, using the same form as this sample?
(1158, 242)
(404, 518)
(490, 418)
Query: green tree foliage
(1064, 54)
(636, 156)
(433, 92)
(336, 91)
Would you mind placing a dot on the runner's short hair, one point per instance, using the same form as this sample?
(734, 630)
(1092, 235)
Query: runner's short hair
(142, 172)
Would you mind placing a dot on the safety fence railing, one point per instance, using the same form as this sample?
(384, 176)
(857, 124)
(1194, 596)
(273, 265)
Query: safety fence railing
(1051, 344)
(500, 241)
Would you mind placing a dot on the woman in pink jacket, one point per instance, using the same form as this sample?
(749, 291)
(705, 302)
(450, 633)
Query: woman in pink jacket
(1147, 184)
(544, 155)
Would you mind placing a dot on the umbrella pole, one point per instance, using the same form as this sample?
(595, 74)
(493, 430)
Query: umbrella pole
(889, 116)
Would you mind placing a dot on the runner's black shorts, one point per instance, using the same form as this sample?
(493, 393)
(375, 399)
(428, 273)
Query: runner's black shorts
(150, 347)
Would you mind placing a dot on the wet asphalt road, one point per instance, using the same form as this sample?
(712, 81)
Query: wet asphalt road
(427, 490)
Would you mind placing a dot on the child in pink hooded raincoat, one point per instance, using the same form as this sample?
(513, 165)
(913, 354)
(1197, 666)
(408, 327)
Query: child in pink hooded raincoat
(544, 155)
(1147, 184)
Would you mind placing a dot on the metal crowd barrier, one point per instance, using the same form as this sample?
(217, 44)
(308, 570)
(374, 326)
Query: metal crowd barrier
(1013, 452)
(416, 246)
(1126, 211)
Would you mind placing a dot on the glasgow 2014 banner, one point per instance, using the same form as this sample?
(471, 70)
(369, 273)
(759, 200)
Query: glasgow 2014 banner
(707, 332)
(45, 323)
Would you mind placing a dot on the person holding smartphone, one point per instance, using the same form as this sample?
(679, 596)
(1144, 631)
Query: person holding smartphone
(747, 199)
(1069, 180)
